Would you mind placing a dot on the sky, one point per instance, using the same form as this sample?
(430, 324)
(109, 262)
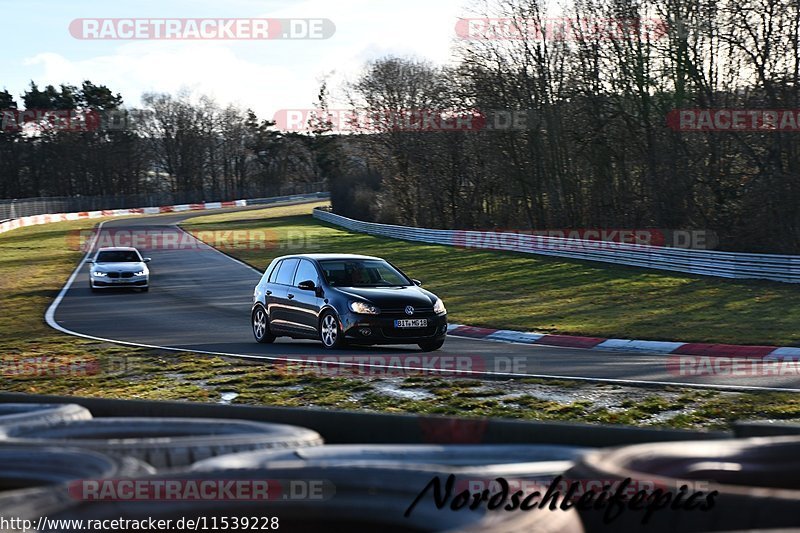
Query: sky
(264, 75)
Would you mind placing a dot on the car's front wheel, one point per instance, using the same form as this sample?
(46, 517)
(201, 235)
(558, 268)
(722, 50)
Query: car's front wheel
(431, 346)
(329, 331)
(261, 329)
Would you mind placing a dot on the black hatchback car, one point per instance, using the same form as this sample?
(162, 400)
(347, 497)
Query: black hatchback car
(342, 299)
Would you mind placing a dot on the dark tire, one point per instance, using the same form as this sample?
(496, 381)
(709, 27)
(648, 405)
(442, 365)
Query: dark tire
(431, 346)
(144, 289)
(33, 480)
(40, 414)
(410, 456)
(330, 333)
(164, 442)
(260, 324)
(348, 499)
(91, 287)
(760, 493)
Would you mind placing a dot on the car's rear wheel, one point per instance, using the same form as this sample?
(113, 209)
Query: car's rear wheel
(260, 324)
(329, 332)
(431, 346)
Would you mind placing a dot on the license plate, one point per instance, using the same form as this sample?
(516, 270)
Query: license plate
(411, 323)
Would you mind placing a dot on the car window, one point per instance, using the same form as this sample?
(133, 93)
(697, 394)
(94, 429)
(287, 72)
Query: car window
(118, 256)
(363, 273)
(306, 271)
(274, 273)
(286, 273)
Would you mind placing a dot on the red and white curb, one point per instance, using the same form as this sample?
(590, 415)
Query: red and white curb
(626, 345)
(36, 220)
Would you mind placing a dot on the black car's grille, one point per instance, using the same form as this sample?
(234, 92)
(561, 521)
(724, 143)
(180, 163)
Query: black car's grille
(419, 312)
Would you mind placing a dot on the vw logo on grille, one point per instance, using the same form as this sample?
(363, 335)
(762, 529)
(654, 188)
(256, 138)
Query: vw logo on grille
(409, 310)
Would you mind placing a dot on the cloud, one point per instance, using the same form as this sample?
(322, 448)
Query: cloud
(265, 76)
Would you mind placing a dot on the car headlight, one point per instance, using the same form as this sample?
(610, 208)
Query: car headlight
(363, 308)
(99, 274)
(140, 273)
(438, 307)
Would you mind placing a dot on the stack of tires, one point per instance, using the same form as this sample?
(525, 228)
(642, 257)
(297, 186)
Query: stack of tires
(715, 485)
(47, 450)
(310, 486)
(49, 453)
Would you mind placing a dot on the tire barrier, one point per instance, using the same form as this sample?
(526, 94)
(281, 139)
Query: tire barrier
(403, 456)
(163, 442)
(32, 479)
(350, 499)
(757, 484)
(364, 487)
(40, 414)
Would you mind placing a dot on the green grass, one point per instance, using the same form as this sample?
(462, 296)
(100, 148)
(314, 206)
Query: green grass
(526, 292)
(35, 262)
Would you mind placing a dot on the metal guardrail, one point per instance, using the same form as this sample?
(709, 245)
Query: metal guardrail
(289, 198)
(782, 268)
(23, 207)
(11, 224)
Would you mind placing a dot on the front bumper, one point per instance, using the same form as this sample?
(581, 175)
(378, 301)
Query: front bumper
(377, 329)
(116, 283)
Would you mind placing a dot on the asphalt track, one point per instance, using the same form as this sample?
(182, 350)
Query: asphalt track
(200, 301)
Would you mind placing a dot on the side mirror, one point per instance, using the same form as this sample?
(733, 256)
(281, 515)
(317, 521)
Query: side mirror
(146, 260)
(90, 262)
(307, 285)
(417, 282)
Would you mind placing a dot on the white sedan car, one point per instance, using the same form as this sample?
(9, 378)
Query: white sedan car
(119, 268)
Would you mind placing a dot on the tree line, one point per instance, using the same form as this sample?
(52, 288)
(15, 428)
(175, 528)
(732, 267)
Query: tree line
(597, 87)
(571, 116)
(69, 141)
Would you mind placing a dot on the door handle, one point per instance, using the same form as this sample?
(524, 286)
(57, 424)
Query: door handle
(290, 296)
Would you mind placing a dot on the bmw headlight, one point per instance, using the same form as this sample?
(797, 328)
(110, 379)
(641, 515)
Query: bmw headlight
(363, 308)
(140, 273)
(438, 307)
(99, 274)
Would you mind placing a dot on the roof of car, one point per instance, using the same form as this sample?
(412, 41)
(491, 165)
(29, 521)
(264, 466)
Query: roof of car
(117, 249)
(323, 257)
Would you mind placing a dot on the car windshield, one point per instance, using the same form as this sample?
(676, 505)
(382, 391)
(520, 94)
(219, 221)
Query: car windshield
(363, 273)
(118, 256)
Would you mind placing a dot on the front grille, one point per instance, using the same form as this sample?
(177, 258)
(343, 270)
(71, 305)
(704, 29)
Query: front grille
(419, 312)
(120, 275)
